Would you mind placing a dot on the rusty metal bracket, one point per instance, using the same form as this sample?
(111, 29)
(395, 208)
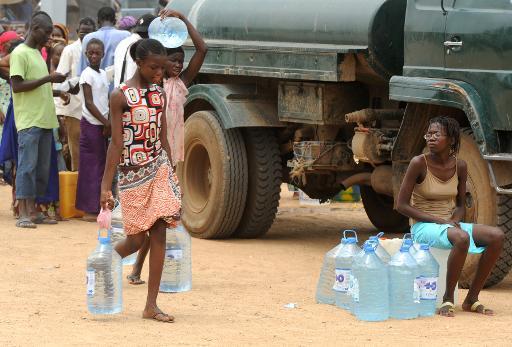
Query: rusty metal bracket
(498, 157)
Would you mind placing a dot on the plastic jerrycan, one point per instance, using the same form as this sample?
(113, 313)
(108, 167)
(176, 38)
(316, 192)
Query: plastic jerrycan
(324, 292)
(104, 277)
(427, 280)
(403, 286)
(343, 270)
(370, 286)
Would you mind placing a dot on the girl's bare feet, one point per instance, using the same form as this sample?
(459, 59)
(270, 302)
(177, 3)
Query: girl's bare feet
(476, 307)
(134, 279)
(157, 314)
(447, 309)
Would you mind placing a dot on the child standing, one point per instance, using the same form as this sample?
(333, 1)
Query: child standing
(148, 191)
(175, 87)
(433, 195)
(94, 131)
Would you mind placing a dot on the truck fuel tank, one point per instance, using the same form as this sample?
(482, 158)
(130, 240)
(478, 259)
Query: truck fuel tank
(373, 27)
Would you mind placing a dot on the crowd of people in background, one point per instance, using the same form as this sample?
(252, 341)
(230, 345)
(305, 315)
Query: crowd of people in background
(109, 105)
(54, 106)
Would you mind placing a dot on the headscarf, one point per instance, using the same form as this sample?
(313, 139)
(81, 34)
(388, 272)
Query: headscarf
(126, 23)
(65, 31)
(5, 37)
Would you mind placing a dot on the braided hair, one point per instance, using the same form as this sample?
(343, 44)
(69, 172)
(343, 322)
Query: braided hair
(452, 129)
(143, 48)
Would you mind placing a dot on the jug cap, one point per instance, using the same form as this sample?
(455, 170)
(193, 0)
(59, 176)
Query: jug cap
(350, 240)
(408, 242)
(104, 235)
(405, 248)
(424, 246)
(369, 247)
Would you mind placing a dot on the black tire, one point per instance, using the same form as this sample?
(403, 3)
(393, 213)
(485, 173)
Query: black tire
(504, 263)
(379, 209)
(214, 177)
(263, 192)
(484, 206)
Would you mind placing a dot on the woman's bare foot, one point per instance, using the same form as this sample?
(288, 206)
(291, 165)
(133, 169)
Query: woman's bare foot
(157, 314)
(476, 307)
(134, 279)
(447, 309)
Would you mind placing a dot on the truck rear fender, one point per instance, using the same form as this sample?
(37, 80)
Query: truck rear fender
(236, 105)
(448, 93)
(426, 97)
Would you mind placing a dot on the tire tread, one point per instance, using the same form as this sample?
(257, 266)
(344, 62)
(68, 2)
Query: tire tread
(265, 170)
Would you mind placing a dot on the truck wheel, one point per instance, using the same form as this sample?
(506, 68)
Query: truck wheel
(264, 186)
(214, 177)
(484, 206)
(379, 209)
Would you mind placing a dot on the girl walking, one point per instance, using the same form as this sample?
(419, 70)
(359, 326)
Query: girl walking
(148, 190)
(94, 131)
(175, 83)
(433, 195)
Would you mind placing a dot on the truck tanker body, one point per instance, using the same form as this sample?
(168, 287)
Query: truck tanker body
(329, 94)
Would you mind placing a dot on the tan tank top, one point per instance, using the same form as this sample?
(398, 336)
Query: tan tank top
(434, 195)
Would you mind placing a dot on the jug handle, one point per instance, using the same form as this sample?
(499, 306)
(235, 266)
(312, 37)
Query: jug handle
(407, 236)
(352, 231)
(379, 235)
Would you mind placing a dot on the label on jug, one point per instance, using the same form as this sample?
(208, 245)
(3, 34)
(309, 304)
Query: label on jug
(416, 294)
(428, 288)
(354, 288)
(174, 254)
(342, 280)
(91, 282)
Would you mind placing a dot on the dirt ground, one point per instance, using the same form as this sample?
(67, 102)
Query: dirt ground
(239, 291)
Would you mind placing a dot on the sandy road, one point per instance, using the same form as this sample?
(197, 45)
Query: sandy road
(239, 289)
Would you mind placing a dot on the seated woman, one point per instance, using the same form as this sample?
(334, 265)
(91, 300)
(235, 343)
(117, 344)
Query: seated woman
(433, 195)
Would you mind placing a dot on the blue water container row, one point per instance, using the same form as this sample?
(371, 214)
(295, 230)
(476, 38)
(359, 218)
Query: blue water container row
(375, 286)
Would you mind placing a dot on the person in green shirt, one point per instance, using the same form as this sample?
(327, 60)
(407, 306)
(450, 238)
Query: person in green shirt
(34, 115)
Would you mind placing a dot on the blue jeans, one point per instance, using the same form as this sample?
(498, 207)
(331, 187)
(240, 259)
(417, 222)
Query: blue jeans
(34, 154)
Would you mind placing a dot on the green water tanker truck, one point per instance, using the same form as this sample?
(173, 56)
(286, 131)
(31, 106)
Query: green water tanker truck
(331, 93)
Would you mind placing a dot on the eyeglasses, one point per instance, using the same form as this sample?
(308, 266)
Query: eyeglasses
(433, 136)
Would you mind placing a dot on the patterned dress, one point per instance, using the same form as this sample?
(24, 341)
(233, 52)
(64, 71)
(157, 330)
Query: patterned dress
(148, 187)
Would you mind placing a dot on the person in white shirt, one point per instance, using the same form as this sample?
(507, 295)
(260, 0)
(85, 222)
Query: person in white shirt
(94, 131)
(72, 112)
(124, 66)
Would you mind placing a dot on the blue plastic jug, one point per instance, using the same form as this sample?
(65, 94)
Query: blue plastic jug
(427, 280)
(171, 32)
(324, 291)
(370, 286)
(343, 270)
(403, 286)
(104, 277)
(177, 271)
